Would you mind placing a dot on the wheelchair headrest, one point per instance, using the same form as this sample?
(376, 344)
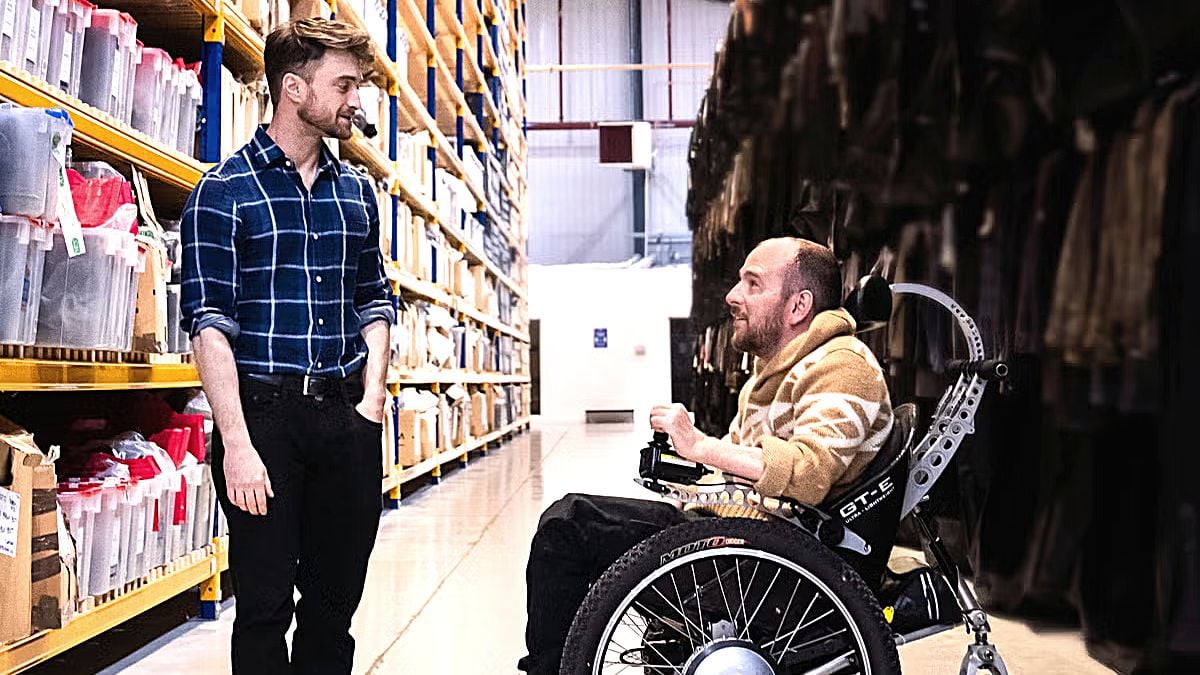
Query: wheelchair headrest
(870, 303)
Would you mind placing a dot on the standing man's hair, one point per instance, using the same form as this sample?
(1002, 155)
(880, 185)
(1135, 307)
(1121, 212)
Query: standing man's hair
(294, 46)
(816, 269)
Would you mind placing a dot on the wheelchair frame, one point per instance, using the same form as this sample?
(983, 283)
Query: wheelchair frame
(953, 420)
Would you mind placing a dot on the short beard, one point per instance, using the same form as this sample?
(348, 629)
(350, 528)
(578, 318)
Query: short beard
(761, 339)
(328, 128)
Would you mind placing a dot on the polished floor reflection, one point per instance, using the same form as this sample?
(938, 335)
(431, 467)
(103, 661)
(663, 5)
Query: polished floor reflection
(446, 592)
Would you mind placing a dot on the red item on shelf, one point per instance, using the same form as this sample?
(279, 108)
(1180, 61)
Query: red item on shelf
(175, 441)
(196, 440)
(97, 199)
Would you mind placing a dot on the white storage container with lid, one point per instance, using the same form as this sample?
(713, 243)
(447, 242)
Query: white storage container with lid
(189, 112)
(133, 56)
(150, 89)
(13, 16)
(28, 169)
(86, 300)
(66, 44)
(38, 27)
(109, 54)
(23, 245)
(169, 113)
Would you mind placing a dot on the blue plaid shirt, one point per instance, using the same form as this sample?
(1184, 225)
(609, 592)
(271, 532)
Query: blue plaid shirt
(290, 276)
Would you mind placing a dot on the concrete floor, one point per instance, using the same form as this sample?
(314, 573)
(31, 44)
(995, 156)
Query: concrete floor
(446, 588)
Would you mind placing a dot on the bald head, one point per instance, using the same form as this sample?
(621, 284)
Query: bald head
(785, 282)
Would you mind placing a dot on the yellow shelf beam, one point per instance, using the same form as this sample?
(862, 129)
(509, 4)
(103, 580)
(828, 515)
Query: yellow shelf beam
(101, 132)
(39, 647)
(44, 375)
(384, 67)
(240, 37)
(360, 150)
(457, 238)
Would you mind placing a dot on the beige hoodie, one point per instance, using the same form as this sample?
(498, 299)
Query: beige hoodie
(819, 410)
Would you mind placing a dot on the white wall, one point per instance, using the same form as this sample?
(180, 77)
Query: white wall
(636, 306)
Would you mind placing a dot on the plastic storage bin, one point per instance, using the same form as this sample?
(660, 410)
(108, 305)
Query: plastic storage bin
(109, 54)
(169, 113)
(190, 101)
(66, 44)
(38, 28)
(150, 88)
(13, 15)
(87, 301)
(23, 246)
(28, 170)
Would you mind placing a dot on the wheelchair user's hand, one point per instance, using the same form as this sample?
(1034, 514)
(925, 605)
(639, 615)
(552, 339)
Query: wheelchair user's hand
(676, 421)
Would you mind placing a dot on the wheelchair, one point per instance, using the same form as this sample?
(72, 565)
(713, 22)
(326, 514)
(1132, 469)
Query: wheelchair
(795, 588)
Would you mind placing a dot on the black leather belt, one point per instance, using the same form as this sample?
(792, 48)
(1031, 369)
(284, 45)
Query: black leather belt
(305, 385)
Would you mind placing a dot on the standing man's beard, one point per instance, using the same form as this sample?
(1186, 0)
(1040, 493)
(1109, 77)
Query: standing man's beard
(337, 126)
(760, 337)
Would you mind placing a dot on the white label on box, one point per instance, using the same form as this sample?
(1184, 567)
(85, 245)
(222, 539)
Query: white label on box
(10, 516)
(33, 36)
(10, 17)
(66, 71)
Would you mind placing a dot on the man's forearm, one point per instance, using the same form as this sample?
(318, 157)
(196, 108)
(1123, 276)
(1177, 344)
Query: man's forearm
(218, 374)
(378, 350)
(739, 460)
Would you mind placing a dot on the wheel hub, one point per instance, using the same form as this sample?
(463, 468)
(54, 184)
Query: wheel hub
(729, 657)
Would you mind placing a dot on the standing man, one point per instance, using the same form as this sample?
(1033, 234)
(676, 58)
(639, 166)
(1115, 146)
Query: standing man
(286, 301)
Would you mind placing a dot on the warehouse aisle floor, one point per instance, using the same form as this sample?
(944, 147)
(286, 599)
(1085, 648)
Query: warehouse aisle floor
(446, 588)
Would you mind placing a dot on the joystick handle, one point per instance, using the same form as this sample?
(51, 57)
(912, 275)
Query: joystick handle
(661, 437)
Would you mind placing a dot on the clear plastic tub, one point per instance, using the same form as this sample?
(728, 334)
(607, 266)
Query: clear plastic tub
(86, 300)
(28, 170)
(132, 57)
(193, 96)
(150, 88)
(39, 26)
(66, 44)
(107, 55)
(13, 15)
(106, 542)
(23, 246)
(169, 112)
(80, 505)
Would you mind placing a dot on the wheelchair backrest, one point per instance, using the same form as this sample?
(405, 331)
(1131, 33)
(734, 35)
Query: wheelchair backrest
(871, 507)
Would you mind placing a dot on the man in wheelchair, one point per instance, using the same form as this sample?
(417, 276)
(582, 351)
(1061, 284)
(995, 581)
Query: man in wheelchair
(809, 422)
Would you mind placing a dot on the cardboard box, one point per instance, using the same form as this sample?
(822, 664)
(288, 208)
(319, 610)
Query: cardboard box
(150, 312)
(31, 577)
(409, 443)
(479, 416)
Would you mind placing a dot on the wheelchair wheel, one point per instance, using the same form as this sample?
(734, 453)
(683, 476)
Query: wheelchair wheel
(729, 595)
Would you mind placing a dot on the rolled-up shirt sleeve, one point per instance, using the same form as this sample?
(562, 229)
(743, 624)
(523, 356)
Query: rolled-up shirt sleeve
(371, 298)
(209, 230)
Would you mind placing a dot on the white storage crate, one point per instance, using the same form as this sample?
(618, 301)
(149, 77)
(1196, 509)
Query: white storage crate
(23, 245)
(28, 170)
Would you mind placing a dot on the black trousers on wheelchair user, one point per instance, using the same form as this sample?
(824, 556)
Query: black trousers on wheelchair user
(578, 537)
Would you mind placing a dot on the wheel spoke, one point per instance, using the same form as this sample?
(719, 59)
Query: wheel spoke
(724, 595)
(782, 619)
(766, 594)
(686, 621)
(696, 585)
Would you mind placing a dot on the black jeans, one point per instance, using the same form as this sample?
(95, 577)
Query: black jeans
(578, 537)
(324, 462)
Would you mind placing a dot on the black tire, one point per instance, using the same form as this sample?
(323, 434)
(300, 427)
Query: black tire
(727, 539)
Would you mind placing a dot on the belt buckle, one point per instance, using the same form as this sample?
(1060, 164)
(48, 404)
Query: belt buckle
(306, 386)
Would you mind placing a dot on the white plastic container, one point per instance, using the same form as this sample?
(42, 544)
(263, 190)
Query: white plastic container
(169, 110)
(28, 170)
(13, 15)
(66, 44)
(102, 74)
(80, 506)
(23, 246)
(86, 299)
(193, 97)
(133, 56)
(150, 88)
(106, 542)
(38, 28)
